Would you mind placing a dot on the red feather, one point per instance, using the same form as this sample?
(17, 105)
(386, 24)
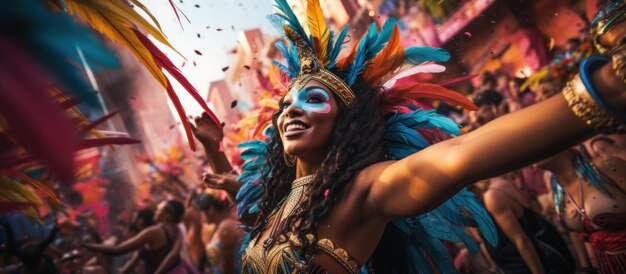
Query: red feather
(98, 142)
(407, 90)
(456, 81)
(176, 9)
(342, 64)
(98, 122)
(183, 116)
(165, 63)
(33, 117)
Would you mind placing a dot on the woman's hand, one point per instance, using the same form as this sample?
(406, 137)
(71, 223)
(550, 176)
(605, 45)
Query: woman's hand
(227, 182)
(206, 131)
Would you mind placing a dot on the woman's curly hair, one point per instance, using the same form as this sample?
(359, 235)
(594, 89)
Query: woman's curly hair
(355, 143)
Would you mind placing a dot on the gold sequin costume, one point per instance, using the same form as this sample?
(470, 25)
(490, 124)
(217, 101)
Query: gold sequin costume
(284, 257)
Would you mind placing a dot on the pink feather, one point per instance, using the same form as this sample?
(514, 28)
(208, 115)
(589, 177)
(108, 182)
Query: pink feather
(176, 9)
(423, 68)
(33, 117)
(98, 122)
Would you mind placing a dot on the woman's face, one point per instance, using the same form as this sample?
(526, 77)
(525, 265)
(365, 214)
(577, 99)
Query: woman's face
(307, 119)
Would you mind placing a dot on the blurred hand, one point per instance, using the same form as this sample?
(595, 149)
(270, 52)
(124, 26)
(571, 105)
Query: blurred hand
(206, 131)
(226, 181)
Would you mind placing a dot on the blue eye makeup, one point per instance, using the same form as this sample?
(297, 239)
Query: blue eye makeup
(311, 99)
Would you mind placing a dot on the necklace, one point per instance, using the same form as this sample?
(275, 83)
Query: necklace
(299, 188)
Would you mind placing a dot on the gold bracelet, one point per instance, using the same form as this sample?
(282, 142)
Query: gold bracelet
(585, 108)
(618, 57)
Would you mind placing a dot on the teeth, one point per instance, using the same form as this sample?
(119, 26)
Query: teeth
(292, 127)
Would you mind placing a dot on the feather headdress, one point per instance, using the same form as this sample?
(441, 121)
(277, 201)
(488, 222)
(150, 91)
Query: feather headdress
(378, 58)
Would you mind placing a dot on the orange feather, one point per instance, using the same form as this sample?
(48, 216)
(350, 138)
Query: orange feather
(389, 59)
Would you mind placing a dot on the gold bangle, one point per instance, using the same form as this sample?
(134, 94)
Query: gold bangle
(618, 58)
(585, 108)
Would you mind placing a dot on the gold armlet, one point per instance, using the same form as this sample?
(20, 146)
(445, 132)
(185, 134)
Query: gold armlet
(585, 108)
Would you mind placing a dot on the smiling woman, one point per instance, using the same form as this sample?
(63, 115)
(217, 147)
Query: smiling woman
(354, 177)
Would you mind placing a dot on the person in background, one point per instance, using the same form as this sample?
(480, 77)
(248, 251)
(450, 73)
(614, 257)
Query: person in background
(527, 243)
(158, 245)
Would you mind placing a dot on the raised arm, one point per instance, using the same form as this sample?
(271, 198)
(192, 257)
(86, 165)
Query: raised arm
(131, 244)
(210, 136)
(425, 179)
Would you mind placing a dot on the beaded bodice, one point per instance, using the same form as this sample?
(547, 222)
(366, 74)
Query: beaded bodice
(284, 256)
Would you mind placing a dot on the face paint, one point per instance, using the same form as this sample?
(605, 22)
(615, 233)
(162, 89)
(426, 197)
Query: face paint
(311, 99)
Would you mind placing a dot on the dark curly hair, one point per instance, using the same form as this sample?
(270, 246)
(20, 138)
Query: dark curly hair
(355, 143)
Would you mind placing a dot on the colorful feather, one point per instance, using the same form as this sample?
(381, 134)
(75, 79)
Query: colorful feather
(176, 10)
(418, 55)
(337, 47)
(319, 31)
(456, 81)
(388, 59)
(424, 68)
(162, 61)
(406, 91)
(29, 111)
(291, 19)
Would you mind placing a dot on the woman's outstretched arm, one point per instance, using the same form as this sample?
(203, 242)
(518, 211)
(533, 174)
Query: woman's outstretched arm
(425, 179)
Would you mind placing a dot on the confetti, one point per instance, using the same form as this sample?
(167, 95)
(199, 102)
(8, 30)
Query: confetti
(468, 34)
(326, 192)
(232, 27)
(198, 34)
(224, 68)
(246, 67)
(197, 52)
(194, 63)
(197, 6)
(233, 104)
(219, 29)
(183, 65)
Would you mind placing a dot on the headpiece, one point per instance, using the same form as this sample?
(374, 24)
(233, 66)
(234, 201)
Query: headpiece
(377, 58)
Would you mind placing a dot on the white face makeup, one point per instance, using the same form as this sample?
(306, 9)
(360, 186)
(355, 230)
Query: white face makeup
(311, 99)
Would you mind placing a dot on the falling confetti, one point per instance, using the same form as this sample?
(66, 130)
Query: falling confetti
(197, 6)
(551, 44)
(198, 52)
(198, 34)
(233, 104)
(219, 29)
(232, 27)
(194, 63)
(468, 34)
(183, 65)
(326, 192)
(224, 68)
(246, 67)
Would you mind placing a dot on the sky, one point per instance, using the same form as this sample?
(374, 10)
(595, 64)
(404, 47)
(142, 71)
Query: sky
(206, 16)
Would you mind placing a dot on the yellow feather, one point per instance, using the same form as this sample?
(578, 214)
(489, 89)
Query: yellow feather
(14, 191)
(118, 29)
(147, 11)
(320, 33)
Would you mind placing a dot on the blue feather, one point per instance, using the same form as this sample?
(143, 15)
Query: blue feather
(291, 19)
(53, 39)
(382, 39)
(277, 23)
(361, 56)
(338, 45)
(418, 55)
(423, 234)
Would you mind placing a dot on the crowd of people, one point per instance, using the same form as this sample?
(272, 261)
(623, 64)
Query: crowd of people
(332, 193)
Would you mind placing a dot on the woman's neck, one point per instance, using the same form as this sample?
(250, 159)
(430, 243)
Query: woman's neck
(308, 165)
